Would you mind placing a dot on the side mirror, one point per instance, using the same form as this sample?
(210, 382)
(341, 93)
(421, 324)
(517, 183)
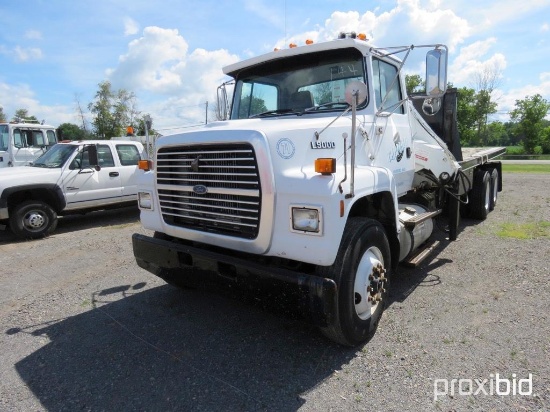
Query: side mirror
(358, 89)
(92, 156)
(436, 72)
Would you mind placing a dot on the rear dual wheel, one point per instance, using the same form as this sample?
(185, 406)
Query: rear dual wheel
(480, 195)
(361, 273)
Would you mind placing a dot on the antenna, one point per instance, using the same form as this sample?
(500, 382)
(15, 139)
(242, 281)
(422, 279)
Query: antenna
(285, 23)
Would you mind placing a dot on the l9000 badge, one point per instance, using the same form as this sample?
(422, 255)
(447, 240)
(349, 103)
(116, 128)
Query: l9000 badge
(323, 145)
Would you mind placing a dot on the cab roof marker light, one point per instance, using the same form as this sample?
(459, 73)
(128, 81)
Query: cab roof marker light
(309, 41)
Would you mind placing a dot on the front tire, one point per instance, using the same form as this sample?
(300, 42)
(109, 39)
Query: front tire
(361, 272)
(33, 219)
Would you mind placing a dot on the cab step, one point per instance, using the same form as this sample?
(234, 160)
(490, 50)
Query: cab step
(419, 218)
(421, 254)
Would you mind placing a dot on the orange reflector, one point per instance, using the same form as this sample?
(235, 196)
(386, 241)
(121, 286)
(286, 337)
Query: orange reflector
(292, 45)
(342, 208)
(144, 165)
(362, 36)
(325, 165)
(309, 41)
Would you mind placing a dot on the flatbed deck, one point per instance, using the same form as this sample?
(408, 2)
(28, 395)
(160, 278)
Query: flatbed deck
(474, 156)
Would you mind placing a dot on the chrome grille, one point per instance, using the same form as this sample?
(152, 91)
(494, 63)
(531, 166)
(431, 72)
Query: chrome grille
(211, 188)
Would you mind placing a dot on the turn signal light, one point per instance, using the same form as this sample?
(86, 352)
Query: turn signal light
(325, 165)
(144, 165)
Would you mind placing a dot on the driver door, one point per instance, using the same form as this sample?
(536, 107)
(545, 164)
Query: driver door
(84, 186)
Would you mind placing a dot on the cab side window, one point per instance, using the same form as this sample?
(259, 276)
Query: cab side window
(51, 138)
(18, 138)
(105, 156)
(385, 82)
(38, 139)
(128, 154)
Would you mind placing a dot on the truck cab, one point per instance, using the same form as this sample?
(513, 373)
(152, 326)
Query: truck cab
(21, 142)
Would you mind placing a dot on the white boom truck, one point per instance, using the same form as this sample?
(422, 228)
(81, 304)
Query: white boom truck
(324, 177)
(22, 142)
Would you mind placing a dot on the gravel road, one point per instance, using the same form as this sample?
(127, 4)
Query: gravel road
(84, 328)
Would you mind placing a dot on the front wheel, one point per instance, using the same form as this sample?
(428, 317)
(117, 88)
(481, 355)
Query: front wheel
(33, 219)
(361, 272)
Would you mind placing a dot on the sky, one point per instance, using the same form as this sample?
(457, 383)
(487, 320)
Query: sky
(170, 53)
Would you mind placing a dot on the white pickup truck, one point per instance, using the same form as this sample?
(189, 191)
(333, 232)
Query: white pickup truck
(77, 176)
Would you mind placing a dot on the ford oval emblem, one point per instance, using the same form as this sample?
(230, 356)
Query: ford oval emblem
(200, 189)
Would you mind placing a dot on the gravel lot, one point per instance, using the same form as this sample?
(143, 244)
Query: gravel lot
(84, 328)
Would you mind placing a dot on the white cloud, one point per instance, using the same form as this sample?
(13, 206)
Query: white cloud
(266, 11)
(131, 27)
(508, 100)
(25, 54)
(22, 97)
(422, 25)
(158, 64)
(472, 61)
(33, 35)
(544, 28)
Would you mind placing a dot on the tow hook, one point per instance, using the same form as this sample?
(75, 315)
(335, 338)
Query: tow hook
(376, 287)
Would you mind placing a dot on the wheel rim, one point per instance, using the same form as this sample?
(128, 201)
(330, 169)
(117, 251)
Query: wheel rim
(487, 194)
(495, 191)
(369, 283)
(35, 220)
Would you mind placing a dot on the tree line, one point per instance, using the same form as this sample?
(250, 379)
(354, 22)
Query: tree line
(112, 111)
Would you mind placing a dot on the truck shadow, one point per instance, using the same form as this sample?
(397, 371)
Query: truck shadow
(170, 349)
(76, 222)
(119, 216)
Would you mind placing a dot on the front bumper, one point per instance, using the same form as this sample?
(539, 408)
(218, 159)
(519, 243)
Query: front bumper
(316, 296)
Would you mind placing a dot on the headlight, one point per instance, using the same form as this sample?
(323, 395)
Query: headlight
(306, 219)
(145, 200)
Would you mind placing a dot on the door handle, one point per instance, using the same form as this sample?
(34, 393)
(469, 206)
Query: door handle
(113, 174)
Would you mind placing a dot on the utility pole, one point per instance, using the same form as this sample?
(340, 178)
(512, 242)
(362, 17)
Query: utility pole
(206, 114)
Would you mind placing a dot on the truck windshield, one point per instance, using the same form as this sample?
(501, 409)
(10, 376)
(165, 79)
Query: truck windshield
(297, 85)
(56, 156)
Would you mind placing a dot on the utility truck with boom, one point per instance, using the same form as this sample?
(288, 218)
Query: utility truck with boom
(322, 179)
(23, 141)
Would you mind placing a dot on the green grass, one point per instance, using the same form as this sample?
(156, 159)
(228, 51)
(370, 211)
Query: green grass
(520, 168)
(532, 230)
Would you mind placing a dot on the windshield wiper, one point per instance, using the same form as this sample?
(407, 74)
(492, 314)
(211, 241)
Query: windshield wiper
(328, 105)
(274, 112)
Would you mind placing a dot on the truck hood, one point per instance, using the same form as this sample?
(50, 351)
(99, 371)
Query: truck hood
(13, 176)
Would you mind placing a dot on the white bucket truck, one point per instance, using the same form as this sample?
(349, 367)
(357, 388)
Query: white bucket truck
(23, 141)
(324, 177)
